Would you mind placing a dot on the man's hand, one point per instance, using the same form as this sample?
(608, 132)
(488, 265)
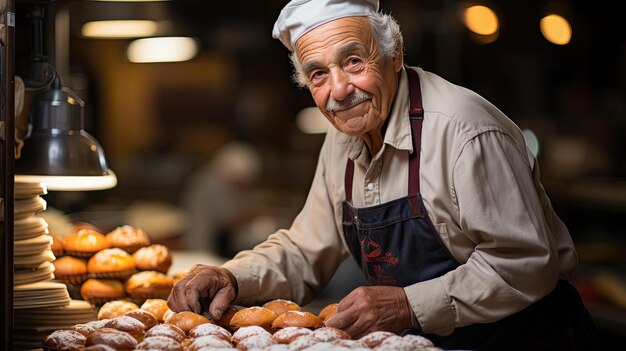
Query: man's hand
(372, 308)
(209, 286)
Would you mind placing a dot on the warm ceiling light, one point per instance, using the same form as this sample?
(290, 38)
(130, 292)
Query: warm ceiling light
(481, 20)
(556, 29)
(165, 49)
(119, 29)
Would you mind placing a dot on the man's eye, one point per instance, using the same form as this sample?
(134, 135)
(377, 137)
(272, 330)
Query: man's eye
(317, 75)
(354, 61)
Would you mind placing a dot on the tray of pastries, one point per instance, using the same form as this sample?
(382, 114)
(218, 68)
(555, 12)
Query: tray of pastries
(277, 325)
(99, 267)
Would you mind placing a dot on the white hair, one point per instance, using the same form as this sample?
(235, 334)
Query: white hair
(388, 38)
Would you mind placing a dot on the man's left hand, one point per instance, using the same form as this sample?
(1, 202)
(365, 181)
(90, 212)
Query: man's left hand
(372, 308)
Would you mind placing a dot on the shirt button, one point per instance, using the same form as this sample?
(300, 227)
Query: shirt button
(370, 186)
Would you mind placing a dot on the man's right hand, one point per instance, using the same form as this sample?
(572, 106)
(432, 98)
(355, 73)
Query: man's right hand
(209, 286)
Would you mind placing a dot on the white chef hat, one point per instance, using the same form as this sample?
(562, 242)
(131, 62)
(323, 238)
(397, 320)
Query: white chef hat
(300, 16)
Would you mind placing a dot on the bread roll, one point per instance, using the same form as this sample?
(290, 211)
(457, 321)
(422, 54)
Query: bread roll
(280, 306)
(129, 325)
(167, 330)
(186, 320)
(289, 334)
(64, 340)
(145, 317)
(157, 307)
(128, 238)
(160, 343)
(327, 312)
(114, 338)
(253, 316)
(297, 319)
(149, 285)
(113, 309)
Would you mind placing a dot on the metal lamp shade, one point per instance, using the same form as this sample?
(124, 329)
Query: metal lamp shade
(58, 150)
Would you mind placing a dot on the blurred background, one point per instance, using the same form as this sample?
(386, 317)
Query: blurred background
(214, 147)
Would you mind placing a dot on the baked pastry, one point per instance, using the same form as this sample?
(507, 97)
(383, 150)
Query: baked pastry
(145, 317)
(297, 319)
(374, 339)
(160, 343)
(226, 317)
(350, 344)
(111, 263)
(119, 340)
(83, 329)
(209, 341)
(408, 342)
(327, 312)
(157, 307)
(304, 342)
(210, 329)
(153, 258)
(100, 291)
(247, 332)
(186, 320)
(76, 226)
(149, 285)
(57, 246)
(167, 330)
(85, 243)
(129, 325)
(70, 270)
(327, 334)
(128, 238)
(97, 324)
(253, 316)
(117, 308)
(258, 342)
(289, 334)
(280, 306)
(64, 340)
(168, 314)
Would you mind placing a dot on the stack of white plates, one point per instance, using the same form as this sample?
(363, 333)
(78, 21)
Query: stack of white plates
(31, 327)
(40, 295)
(31, 248)
(40, 305)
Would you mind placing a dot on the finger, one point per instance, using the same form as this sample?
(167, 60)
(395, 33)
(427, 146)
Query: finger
(194, 289)
(346, 302)
(176, 300)
(343, 319)
(221, 301)
(192, 299)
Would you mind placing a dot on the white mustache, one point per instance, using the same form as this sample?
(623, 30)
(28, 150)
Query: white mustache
(357, 97)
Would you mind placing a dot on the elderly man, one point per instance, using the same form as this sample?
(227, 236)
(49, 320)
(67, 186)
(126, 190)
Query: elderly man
(428, 186)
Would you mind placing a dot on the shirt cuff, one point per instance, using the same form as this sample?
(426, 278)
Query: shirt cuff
(432, 307)
(247, 281)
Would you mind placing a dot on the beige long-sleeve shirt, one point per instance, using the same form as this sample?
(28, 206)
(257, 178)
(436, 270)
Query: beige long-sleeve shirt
(481, 187)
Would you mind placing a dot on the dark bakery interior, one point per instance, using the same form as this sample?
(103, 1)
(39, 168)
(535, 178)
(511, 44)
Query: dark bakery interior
(212, 154)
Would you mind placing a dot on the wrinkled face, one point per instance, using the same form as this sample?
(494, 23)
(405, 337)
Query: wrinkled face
(352, 83)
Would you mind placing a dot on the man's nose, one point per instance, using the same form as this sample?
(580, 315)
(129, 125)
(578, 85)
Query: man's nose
(341, 87)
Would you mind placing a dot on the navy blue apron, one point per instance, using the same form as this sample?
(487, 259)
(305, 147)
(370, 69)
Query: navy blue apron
(396, 244)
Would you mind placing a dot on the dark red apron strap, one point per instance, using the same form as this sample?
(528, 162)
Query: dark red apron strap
(416, 114)
(348, 179)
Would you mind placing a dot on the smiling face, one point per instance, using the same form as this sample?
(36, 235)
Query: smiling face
(351, 81)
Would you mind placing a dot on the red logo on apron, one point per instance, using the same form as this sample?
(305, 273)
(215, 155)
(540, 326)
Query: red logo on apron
(372, 254)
